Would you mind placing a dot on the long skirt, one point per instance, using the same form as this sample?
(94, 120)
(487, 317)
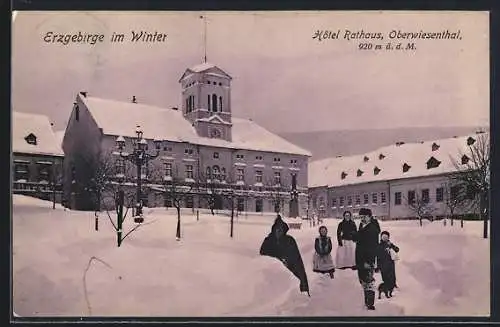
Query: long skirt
(346, 255)
(323, 264)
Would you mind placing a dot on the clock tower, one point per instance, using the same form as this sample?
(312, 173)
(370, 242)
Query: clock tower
(206, 100)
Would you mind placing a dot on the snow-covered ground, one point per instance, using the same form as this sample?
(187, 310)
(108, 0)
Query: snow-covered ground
(443, 271)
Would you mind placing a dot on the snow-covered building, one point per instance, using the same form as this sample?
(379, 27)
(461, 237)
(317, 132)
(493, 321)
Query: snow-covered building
(37, 156)
(387, 179)
(199, 142)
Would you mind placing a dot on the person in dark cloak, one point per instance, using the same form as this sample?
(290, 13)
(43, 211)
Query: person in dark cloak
(385, 263)
(281, 246)
(366, 253)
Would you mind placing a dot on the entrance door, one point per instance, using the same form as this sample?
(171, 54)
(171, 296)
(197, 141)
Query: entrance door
(258, 205)
(241, 204)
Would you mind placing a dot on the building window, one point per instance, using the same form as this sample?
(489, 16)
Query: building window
(189, 171)
(334, 202)
(374, 198)
(188, 151)
(383, 197)
(454, 191)
(433, 163)
(411, 197)
(223, 174)
(341, 201)
(343, 175)
(167, 148)
(359, 173)
(240, 156)
(277, 178)
(30, 139)
(77, 113)
(293, 161)
(214, 102)
(44, 173)
(425, 195)
(144, 171)
(376, 171)
(240, 174)
(358, 199)
(277, 159)
(216, 155)
(397, 198)
(208, 102)
(406, 167)
(258, 176)
(439, 194)
(168, 169)
(216, 172)
(258, 158)
(365, 198)
(21, 172)
(349, 201)
(220, 104)
(120, 166)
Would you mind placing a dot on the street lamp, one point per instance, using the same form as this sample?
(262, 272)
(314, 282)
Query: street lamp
(139, 157)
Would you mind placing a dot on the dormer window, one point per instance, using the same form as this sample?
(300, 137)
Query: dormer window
(359, 172)
(435, 146)
(365, 159)
(376, 170)
(343, 175)
(433, 163)
(381, 156)
(31, 139)
(465, 160)
(406, 167)
(470, 141)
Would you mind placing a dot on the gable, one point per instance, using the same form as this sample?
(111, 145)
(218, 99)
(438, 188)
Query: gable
(205, 68)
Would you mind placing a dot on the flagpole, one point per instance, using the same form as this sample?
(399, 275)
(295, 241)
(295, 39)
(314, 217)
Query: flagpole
(204, 17)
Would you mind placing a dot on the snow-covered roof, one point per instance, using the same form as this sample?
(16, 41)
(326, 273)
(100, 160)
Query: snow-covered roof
(60, 136)
(121, 118)
(25, 124)
(388, 161)
(203, 67)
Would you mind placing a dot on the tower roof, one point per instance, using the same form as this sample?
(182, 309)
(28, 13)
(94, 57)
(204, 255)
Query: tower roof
(205, 68)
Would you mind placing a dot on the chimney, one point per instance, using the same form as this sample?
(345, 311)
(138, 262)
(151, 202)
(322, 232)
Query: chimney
(134, 100)
(84, 93)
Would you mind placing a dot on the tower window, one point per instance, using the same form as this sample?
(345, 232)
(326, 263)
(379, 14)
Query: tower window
(220, 84)
(220, 104)
(216, 155)
(214, 102)
(208, 102)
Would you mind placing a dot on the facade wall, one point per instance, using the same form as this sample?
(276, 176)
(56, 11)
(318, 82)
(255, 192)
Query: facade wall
(36, 175)
(82, 146)
(374, 196)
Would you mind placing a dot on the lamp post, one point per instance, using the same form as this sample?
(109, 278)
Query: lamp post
(139, 157)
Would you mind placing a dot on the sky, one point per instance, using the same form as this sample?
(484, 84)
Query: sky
(283, 78)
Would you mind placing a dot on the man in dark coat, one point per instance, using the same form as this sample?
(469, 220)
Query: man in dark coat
(284, 247)
(366, 253)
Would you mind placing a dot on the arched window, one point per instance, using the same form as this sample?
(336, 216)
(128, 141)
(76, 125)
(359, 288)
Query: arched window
(209, 173)
(208, 102)
(214, 102)
(223, 174)
(220, 104)
(187, 105)
(216, 172)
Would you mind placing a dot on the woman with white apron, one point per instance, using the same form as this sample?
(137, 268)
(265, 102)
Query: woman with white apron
(346, 232)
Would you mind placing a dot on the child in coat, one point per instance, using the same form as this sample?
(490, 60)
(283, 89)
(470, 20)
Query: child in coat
(385, 261)
(322, 259)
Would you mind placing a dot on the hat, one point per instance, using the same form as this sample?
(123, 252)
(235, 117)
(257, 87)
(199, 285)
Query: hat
(365, 212)
(279, 223)
(386, 233)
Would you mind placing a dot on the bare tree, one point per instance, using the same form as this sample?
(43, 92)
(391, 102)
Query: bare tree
(278, 193)
(176, 190)
(421, 207)
(456, 198)
(473, 171)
